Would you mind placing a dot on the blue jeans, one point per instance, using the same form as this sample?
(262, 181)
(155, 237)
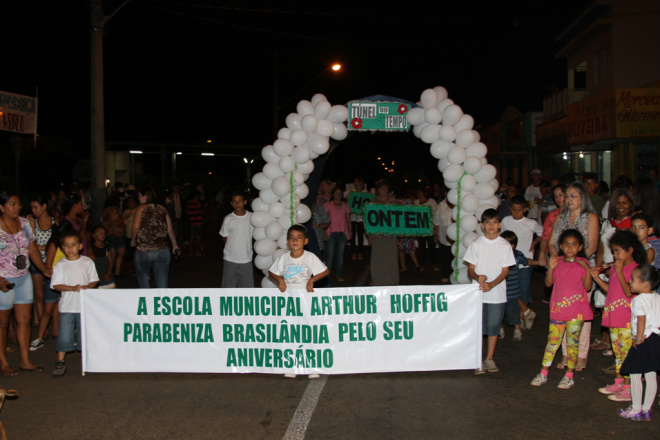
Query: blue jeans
(66, 338)
(335, 248)
(158, 261)
(526, 284)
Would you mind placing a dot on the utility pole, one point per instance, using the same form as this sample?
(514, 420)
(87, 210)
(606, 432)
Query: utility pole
(96, 110)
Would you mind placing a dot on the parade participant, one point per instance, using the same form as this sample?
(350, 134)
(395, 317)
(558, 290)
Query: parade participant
(644, 357)
(113, 222)
(17, 249)
(642, 227)
(357, 225)
(151, 228)
(71, 275)
(297, 269)
(338, 232)
(42, 228)
(489, 258)
(384, 265)
(103, 257)
(534, 196)
(236, 233)
(569, 304)
(72, 207)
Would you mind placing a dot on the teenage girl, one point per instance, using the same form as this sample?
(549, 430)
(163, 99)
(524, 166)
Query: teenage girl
(104, 257)
(569, 304)
(628, 253)
(644, 357)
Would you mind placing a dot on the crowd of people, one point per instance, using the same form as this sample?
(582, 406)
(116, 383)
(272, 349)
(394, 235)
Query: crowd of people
(596, 245)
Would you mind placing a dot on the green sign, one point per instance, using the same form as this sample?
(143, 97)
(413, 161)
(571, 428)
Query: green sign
(378, 116)
(356, 201)
(411, 221)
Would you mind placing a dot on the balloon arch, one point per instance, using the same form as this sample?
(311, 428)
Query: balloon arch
(436, 120)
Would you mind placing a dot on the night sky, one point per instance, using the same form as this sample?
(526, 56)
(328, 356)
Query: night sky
(184, 71)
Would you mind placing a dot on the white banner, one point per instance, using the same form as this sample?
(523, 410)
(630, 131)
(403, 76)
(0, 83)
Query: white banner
(18, 113)
(330, 331)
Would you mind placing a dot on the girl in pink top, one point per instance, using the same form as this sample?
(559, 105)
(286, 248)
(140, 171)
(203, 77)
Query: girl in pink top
(569, 304)
(628, 253)
(338, 232)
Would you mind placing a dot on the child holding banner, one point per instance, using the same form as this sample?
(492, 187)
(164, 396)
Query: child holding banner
(71, 275)
(489, 258)
(297, 269)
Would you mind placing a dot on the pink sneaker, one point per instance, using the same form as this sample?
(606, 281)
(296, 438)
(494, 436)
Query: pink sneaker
(621, 396)
(611, 389)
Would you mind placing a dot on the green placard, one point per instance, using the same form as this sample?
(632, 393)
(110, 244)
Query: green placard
(411, 221)
(356, 201)
(378, 116)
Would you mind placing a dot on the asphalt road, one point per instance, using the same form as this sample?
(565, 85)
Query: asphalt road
(430, 405)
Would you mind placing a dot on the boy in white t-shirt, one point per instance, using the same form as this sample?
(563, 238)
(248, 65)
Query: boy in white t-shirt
(524, 228)
(297, 269)
(236, 232)
(488, 259)
(71, 275)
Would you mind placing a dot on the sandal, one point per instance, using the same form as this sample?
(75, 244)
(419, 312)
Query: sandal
(599, 345)
(35, 369)
(8, 371)
(608, 353)
(581, 364)
(564, 361)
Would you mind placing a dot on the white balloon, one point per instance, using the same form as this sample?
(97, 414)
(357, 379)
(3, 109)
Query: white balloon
(477, 150)
(282, 147)
(276, 209)
(451, 185)
(447, 133)
(455, 212)
(305, 107)
(456, 155)
(453, 173)
(279, 252)
(452, 196)
(319, 97)
(303, 213)
(282, 241)
(317, 143)
(442, 105)
(302, 191)
(274, 230)
(259, 205)
(430, 133)
(340, 132)
(429, 98)
(494, 183)
(338, 114)
(459, 251)
(306, 167)
(263, 261)
(267, 283)
(468, 223)
(467, 239)
(451, 231)
(260, 181)
(272, 170)
(465, 123)
(452, 114)
(268, 196)
(443, 164)
(298, 178)
(260, 219)
(469, 203)
(259, 233)
(309, 123)
(286, 201)
(468, 182)
(325, 128)
(284, 133)
(472, 164)
(415, 115)
(417, 129)
(300, 154)
(463, 277)
(298, 138)
(494, 200)
(484, 161)
(486, 173)
(441, 92)
(281, 186)
(484, 191)
(269, 155)
(432, 115)
(477, 136)
(322, 109)
(465, 138)
(287, 164)
(293, 121)
(286, 223)
(439, 149)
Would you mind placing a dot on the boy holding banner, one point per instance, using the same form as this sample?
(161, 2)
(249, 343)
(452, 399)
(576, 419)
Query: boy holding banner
(488, 259)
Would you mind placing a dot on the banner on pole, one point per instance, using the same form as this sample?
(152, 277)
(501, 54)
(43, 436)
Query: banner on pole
(406, 220)
(18, 113)
(330, 331)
